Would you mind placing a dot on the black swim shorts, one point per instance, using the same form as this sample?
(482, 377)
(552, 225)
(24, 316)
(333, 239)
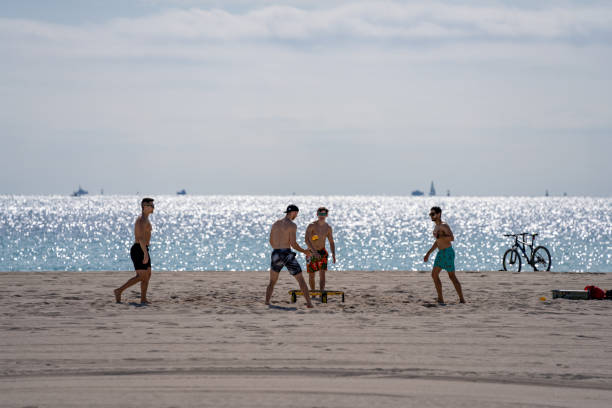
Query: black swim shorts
(137, 257)
(285, 257)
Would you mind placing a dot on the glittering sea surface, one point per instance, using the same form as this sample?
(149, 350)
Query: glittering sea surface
(56, 233)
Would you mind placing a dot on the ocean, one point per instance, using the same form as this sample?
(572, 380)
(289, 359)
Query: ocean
(372, 233)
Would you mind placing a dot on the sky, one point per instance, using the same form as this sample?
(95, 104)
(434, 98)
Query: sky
(306, 97)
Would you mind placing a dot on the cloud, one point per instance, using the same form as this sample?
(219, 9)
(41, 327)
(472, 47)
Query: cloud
(379, 86)
(338, 25)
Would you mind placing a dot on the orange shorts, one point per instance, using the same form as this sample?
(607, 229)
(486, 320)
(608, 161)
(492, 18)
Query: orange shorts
(318, 261)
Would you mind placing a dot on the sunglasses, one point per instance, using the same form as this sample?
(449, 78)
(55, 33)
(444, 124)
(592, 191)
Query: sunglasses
(149, 205)
(432, 214)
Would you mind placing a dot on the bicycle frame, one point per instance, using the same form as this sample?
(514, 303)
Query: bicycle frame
(523, 244)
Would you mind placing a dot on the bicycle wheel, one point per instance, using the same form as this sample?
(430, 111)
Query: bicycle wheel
(541, 259)
(512, 261)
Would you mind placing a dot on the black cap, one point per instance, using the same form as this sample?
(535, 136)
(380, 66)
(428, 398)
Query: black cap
(292, 207)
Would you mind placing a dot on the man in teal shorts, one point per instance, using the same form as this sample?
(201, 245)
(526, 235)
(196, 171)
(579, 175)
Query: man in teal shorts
(445, 258)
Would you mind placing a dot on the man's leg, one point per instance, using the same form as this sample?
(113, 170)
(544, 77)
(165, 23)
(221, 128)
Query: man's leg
(144, 285)
(304, 288)
(435, 274)
(270, 289)
(455, 281)
(322, 279)
(311, 280)
(130, 282)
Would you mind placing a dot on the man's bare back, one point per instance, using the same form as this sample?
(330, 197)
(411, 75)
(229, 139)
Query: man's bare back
(142, 230)
(282, 233)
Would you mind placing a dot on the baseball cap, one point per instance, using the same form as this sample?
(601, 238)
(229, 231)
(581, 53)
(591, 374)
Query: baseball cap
(292, 207)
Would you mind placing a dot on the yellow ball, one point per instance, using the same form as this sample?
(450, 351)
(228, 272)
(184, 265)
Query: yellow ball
(542, 298)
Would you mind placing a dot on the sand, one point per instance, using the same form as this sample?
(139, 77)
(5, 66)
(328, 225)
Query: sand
(207, 339)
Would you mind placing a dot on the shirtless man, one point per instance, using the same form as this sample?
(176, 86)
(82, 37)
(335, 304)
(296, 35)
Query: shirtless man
(140, 252)
(282, 239)
(445, 258)
(316, 235)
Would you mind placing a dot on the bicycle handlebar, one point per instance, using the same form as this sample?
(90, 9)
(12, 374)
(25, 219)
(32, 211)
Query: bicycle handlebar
(522, 233)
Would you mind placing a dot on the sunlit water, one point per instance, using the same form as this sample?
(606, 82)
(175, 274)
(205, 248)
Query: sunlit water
(231, 232)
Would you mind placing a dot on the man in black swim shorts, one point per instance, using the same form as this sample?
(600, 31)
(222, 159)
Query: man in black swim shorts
(282, 239)
(140, 252)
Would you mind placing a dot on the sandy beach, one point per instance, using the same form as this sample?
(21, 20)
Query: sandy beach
(207, 339)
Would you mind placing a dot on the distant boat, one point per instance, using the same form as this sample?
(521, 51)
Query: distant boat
(432, 190)
(79, 192)
(417, 193)
(182, 192)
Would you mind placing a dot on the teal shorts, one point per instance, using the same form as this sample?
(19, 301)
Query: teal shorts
(445, 259)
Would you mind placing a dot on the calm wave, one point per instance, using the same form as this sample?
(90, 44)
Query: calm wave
(231, 232)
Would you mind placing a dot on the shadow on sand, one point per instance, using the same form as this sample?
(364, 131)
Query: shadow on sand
(138, 304)
(275, 307)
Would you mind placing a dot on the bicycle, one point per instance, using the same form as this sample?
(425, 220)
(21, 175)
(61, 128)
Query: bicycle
(539, 258)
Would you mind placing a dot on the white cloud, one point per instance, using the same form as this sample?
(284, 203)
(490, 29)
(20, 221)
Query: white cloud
(347, 77)
(339, 24)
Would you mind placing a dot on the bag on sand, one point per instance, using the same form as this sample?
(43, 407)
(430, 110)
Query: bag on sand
(609, 294)
(595, 292)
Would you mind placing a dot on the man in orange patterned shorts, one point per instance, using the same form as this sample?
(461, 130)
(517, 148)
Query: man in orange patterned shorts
(316, 235)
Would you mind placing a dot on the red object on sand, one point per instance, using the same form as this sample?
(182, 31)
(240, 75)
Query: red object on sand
(595, 292)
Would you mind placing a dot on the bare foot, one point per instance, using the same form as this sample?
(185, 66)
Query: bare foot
(117, 295)
(461, 300)
(310, 306)
(441, 302)
(267, 303)
(145, 302)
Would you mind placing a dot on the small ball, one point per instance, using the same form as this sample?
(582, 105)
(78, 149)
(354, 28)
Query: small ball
(542, 298)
